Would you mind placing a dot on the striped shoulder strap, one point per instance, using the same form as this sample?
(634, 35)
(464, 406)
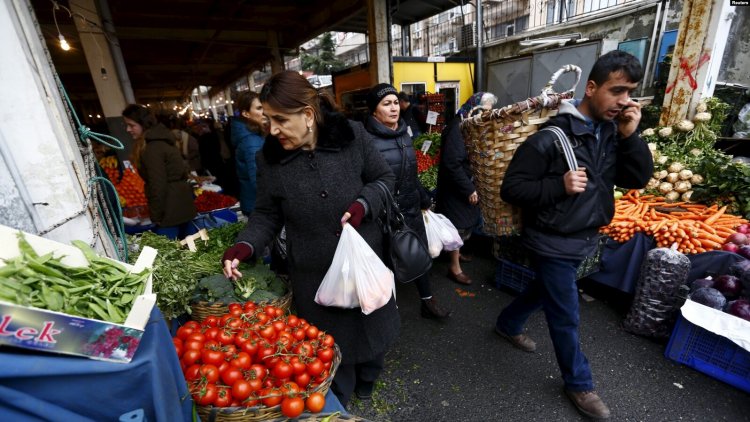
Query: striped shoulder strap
(567, 148)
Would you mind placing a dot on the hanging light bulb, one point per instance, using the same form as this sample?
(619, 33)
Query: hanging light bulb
(64, 43)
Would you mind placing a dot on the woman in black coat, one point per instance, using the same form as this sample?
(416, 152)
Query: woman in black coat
(392, 139)
(457, 196)
(317, 171)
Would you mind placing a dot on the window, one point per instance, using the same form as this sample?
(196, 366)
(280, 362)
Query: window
(559, 11)
(414, 88)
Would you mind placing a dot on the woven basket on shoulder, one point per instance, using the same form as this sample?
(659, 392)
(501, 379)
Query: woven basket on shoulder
(202, 309)
(263, 413)
(492, 137)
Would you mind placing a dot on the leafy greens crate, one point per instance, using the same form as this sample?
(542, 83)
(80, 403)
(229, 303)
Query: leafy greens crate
(49, 331)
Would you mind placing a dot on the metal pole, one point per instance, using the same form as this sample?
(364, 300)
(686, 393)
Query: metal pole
(114, 45)
(480, 42)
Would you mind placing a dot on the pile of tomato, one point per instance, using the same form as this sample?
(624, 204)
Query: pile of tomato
(425, 161)
(209, 201)
(255, 356)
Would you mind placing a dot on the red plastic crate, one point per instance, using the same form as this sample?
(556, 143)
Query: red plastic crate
(709, 353)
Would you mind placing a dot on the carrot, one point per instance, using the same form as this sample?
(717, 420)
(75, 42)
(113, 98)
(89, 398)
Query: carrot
(716, 215)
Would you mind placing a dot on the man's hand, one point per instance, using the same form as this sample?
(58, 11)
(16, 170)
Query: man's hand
(629, 119)
(474, 198)
(575, 181)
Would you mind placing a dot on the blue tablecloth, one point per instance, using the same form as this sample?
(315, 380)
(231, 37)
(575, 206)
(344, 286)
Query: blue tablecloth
(38, 386)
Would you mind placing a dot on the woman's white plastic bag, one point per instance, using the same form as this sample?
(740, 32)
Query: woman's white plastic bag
(434, 243)
(356, 277)
(443, 229)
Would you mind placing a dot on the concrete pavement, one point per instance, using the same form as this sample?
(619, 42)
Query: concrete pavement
(460, 370)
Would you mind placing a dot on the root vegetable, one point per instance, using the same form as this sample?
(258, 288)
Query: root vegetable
(672, 196)
(672, 177)
(697, 179)
(684, 126)
(663, 159)
(675, 167)
(665, 132)
(686, 196)
(685, 174)
(682, 186)
(702, 117)
(660, 174)
(666, 187)
(648, 132)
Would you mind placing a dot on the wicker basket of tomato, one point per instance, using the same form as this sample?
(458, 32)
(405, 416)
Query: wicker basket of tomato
(256, 363)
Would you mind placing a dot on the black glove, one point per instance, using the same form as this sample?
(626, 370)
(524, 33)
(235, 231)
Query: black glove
(240, 251)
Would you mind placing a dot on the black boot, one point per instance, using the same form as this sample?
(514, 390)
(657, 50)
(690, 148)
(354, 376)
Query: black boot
(431, 309)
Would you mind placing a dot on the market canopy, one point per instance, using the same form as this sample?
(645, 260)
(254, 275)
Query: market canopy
(171, 46)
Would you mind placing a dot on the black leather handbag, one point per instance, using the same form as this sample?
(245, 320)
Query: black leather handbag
(405, 253)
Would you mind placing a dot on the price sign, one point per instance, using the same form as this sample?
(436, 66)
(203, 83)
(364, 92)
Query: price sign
(426, 146)
(432, 117)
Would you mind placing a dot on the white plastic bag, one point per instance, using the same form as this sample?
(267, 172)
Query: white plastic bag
(434, 243)
(443, 229)
(356, 277)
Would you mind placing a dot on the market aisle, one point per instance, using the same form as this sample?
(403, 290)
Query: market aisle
(461, 371)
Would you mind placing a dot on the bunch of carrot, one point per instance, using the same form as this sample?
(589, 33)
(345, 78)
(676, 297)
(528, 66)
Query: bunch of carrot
(695, 228)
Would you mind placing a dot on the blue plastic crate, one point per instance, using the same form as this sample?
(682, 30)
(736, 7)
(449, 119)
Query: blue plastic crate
(511, 276)
(709, 353)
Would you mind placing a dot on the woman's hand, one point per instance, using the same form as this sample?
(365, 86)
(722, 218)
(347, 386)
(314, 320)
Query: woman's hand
(232, 258)
(474, 198)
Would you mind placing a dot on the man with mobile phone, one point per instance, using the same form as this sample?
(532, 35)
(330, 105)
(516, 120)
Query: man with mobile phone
(563, 209)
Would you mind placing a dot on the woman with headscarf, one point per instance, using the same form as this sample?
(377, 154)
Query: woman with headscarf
(316, 172)
(457, 197)
(394, 143)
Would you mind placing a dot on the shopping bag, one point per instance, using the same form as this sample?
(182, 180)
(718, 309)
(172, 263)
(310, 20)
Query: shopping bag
(445, 230)
(356, 277)
(434, 243)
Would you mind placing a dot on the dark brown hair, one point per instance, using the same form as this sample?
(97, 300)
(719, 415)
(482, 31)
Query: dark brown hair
(245, 103)
(141, 115)
(290, 92)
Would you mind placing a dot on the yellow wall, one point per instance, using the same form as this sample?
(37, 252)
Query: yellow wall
(423, 72)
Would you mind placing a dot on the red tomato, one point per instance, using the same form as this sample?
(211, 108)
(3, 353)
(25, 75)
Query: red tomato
(233, 306)
(262, 317)
(255, 384)
(210, 373)
(257, 371)
(315, 402)
(225, 337)
(304, 349)
(232, 375)
(178, 349)
(191, 356)
(292, 407)
(272, 396)
(268, 332)
(322, 377)
(223, 397)
(250, 346)
(292, 321)
(327, 340)
(241, 390)
(210, 321)
(229, 351)
(235, 324)
(211, 344)
(303, 379)
(237, 311)
(325, 354)
(279, 325)
(212, 356)
(192, 324)
(241, 360)
(211, 333)
(299, 334)
(312, 332)
(298, 366)
(193, 345)
(290, 389)
(315, 367)
(196, 336)
(264, 351)
(206, 395)
(184, 331)
(282, 370)
(192, 372)
(249, 306)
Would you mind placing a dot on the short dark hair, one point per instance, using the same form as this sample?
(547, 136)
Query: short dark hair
(402, 96)
(616, 61)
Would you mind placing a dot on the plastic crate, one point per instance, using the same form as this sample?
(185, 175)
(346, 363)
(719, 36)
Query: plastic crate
(709, 353)
(511, 276)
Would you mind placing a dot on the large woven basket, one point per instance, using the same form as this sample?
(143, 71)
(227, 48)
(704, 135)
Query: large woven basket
(492, 137)
(201, 309)
(262, 413)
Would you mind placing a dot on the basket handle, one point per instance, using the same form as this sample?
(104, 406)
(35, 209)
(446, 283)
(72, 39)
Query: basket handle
(565, 69)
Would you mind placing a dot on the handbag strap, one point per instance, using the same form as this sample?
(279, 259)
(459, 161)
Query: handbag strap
(567, 148)
(393, 216)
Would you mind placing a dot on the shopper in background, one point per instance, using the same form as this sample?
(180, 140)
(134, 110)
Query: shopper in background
(159, 163)
(317, 171)
(415, 120)
(186, 144)
(394, 143)
(562, 210)
(457, 197)
(247, 139)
